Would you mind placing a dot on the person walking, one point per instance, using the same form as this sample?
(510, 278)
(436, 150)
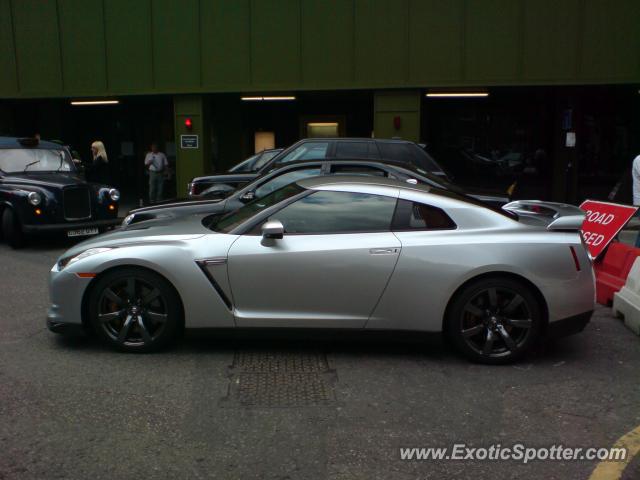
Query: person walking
(99, 168)
(157, 163)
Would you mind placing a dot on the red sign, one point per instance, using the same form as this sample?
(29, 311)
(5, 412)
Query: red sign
(602, 223)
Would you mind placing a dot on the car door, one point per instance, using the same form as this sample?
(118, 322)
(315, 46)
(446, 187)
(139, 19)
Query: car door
(329, 269)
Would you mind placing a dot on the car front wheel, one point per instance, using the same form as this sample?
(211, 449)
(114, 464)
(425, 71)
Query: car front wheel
(135, 310)
(494, 320)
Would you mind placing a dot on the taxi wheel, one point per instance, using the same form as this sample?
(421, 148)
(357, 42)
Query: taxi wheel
(12, 229)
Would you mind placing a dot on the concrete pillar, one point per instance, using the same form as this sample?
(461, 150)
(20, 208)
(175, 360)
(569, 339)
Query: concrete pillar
(396, 113)
(190, 162)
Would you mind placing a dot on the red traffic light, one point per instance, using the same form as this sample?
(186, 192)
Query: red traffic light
(188, 124)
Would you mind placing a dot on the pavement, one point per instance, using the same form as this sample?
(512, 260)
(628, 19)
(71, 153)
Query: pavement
(252, 408)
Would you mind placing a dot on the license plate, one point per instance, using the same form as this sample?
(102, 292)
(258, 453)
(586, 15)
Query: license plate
(82, 232)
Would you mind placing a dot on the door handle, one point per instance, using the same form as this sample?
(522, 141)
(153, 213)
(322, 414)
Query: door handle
(383, 251)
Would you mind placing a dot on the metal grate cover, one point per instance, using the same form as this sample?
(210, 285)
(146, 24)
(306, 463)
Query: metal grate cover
(77, 203)
(266, 378)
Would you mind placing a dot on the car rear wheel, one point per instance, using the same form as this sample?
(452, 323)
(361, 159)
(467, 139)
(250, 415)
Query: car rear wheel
(12, 229)
(494, 320)
(135, 310)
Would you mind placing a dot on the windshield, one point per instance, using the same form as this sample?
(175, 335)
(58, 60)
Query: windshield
(14, 160)
(245, 165)
(233, 219)
(266, 156)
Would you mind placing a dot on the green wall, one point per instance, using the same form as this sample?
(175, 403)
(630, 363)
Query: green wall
(73, 48)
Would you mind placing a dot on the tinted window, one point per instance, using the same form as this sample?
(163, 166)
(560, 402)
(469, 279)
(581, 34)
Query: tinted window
(306, 151)
(285, 179)
(246, 165)
(356, 150)
(418, 216)
(337, 212)
(232, 220)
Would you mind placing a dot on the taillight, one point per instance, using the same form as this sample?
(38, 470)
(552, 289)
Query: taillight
(575, 258)
(197, 188)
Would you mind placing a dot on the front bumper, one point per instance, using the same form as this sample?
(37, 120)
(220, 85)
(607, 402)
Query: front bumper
(65, 328)
(63, 227)
(568, 326)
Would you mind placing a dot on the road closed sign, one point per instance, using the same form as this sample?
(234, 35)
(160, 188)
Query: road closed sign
(602, 223)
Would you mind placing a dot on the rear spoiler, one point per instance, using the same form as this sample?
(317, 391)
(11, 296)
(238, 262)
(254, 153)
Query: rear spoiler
(569, 223)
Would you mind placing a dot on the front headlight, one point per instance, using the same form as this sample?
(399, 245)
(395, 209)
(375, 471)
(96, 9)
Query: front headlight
(34, 198)
(66, 261)
(114, 194)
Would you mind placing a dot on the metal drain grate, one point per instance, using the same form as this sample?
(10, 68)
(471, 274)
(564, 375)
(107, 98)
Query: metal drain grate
(266, 378)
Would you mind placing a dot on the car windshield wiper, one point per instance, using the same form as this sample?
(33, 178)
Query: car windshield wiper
(29, 164)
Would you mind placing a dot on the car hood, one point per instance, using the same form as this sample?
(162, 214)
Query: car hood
(149, 216)
(46, 180)
(152, 232)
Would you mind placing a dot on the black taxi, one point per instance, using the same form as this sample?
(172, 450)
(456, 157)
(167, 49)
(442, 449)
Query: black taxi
(41, 191)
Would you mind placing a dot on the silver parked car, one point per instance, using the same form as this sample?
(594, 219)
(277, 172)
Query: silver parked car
(341, 252)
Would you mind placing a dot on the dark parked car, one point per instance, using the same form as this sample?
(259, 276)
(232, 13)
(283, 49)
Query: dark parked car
(294, 171)
(40, 191)
(400, 151)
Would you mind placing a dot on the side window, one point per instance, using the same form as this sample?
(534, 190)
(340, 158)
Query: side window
(418, 216)
(337, 212)
(280, 181)
(356, 150)
(357, 170)
(306, 151)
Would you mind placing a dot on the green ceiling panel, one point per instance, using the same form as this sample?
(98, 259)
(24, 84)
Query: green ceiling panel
(492, 40)
(129, 53)
(226, 42)
(435, 40)
(82, 40)
(176, 44)
(275, 42)
(9, 77)
(37, 47)
(551, 33)
(381, 41)
(327, 42)
(611, 48)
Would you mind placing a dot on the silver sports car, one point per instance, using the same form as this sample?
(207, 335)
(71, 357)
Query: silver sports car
(363, 253)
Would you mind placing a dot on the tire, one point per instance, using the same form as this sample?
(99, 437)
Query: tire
(135, 310)
(12, 229)
(494, 320)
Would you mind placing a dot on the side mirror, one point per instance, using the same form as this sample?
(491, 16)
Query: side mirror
(247, 197)
(273, 229)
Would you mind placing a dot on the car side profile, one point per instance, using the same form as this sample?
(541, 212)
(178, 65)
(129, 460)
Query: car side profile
(41, 192)
(298, 170)
(393, 150)
(353, 252)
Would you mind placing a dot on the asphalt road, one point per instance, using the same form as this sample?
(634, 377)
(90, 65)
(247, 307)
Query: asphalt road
(293, 409)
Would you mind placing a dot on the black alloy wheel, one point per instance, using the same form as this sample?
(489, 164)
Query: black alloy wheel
(135, 310)
(495, 321)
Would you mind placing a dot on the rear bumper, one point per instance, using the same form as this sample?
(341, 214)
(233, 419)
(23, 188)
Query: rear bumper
(568, 326)
(63, 227)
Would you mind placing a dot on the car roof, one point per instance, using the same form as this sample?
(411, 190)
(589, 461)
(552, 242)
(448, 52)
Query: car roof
(326, 181)
(359, 139)
(14, 142)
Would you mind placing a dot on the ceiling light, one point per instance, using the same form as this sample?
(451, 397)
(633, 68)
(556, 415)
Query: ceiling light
(95, 102)
(458, 94)
(273, 98)
(322, 124)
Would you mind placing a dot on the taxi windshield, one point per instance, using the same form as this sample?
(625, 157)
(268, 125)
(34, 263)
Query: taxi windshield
(15, 160)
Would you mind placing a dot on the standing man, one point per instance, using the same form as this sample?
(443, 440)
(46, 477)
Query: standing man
(157, 164)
